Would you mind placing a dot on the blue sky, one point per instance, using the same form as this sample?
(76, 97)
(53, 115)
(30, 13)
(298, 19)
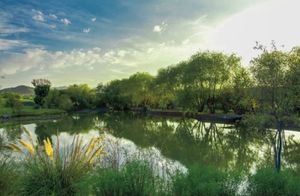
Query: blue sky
(92, 41)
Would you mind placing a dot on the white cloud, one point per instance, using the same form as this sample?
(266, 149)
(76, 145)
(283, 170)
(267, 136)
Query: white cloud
(53, 16)
(186, 41)
(94, 19)
(6, 28)
(65, 21)
(38, 16)
(86, 30)
(6, 44)
(52, 26)
(157, 28)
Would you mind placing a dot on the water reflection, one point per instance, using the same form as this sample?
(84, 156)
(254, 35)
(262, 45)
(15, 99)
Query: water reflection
(184, 140)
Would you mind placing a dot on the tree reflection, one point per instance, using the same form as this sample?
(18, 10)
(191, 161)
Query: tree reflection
(186, 140)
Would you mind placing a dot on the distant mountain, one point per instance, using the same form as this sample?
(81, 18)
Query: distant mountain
(23, 90)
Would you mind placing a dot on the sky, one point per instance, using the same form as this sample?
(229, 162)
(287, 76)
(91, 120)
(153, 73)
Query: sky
(93, 41)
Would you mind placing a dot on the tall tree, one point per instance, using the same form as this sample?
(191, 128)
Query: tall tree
(41, 90)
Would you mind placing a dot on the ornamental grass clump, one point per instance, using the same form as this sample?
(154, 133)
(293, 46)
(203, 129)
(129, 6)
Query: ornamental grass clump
(51, 170)
(8, 176)
(134, 178)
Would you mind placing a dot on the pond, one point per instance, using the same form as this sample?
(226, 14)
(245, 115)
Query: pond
(177, 141)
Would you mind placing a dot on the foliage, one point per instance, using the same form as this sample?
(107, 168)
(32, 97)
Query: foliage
(54, 171)
(41, 90)
(82, 96)
(56, 99)
(135, 178)
(292, 79)
(203, 180)
(8, 176)
(269, 70)
(267, 181)
(13, 101)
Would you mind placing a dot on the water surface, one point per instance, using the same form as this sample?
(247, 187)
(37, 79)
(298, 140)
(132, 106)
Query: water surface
(180, 142)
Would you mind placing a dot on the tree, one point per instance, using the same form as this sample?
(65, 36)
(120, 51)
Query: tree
(82, 96)
(41, 90)
(137, 87)
(13, 101)
(293, 80)
(113, 95)
(57, 99)
(205, 75)
(269, 70)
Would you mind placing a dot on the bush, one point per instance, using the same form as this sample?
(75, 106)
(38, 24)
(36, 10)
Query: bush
(267, 181)
(135, 178)
(202, 180)
(13, 101)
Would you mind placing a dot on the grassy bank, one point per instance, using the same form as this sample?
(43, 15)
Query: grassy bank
(29, 111)
(27, 108)
(79, 170)
(137, 178)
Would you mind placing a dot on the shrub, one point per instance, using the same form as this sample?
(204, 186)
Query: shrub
(267, 181)
(13, 101)
(202, 180)
(135, 178)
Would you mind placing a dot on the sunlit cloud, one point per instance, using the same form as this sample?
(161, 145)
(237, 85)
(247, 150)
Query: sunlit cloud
(159, 28)
(166, 34)
(6, 44)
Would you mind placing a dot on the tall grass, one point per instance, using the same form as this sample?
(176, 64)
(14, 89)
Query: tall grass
(8, 176)
(49, 171)
(203, 180)
(269, 182)
(135, 178)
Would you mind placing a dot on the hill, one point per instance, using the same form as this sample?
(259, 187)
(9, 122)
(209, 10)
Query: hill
(22, 90)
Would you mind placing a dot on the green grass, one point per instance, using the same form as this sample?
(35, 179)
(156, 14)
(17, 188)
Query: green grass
(269, 182)
(29, 111)
(203, 180)
(135, 178)
(8, 176)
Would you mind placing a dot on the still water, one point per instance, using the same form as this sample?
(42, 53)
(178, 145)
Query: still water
(175, 143)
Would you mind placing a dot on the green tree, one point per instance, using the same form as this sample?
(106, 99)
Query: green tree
(113, 95)
(293, 80)
(204, 76)
(13, 101)
(57, 99)
(82, 96)
(269, 70)
(41, 90)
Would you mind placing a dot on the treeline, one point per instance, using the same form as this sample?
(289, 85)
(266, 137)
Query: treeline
(207, 82)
